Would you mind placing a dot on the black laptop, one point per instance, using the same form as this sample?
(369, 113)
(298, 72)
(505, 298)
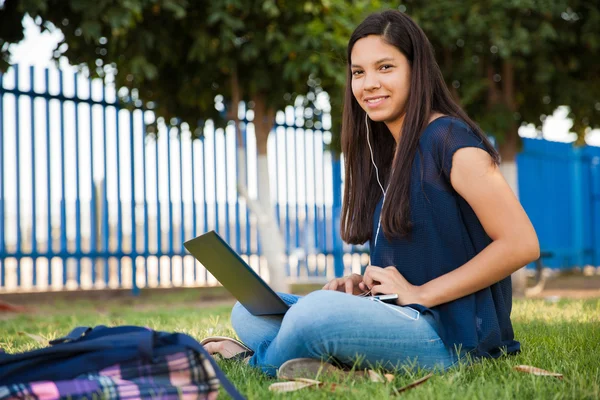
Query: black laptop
(235, 275)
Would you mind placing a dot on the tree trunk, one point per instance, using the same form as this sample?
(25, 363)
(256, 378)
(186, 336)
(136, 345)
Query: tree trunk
(271, 238)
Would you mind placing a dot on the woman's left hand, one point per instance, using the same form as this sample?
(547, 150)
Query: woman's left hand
(390, 281)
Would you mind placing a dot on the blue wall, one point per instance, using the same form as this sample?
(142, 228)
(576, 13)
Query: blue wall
(559, 187)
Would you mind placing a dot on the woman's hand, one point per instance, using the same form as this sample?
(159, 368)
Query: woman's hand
(348, 284)
(390, 281)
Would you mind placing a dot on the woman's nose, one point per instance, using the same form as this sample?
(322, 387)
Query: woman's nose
(371, 82)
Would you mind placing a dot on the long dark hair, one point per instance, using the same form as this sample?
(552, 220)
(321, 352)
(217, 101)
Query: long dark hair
(428, 94)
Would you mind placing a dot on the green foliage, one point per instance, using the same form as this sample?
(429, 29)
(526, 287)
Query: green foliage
(508, 62)
(180, 54)
(552, 48)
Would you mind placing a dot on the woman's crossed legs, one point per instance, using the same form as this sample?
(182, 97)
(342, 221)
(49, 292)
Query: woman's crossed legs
(348, 329)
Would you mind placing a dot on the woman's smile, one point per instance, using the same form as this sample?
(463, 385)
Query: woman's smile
(375, 101)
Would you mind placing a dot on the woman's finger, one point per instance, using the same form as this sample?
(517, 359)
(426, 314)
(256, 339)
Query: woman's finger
(374, 274)
(367, 279)
(377, 289)
(349, 286)
(356, 278)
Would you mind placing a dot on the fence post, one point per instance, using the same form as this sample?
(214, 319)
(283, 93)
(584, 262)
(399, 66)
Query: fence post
(338, 251)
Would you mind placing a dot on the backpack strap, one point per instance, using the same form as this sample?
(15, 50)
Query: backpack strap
(190, 342)
(73, 335)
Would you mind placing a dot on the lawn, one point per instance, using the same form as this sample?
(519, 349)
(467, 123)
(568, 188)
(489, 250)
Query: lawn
(559, 336)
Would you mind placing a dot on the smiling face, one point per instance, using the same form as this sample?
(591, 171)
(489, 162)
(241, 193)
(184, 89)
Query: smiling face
(380, 81)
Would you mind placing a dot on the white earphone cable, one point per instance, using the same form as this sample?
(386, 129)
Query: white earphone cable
(376, 174)
(371, 151)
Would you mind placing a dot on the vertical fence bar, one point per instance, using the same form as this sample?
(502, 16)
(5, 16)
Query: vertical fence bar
(277, 177)
(315, 209)
(204, 194)
(246, 180)
(325, 249)
(287, 194)
(63, 211)
(2, 245)
(338, 263)
(297, 185)
(170, 205)
(49, 247)
(134, 287)
(119, 202)
(182, 205)
(194, 216)
(215, 179)
(305, 236)
(158, 214)
(93, 211)
(226, 169)
(146, 219)
(77, 186)
(18, 168)
(238, 230)
(33, 185)
(105, 225)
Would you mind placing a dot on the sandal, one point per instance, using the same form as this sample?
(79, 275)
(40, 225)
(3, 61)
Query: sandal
(241, 356)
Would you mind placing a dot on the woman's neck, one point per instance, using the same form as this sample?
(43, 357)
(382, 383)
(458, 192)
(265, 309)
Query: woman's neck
(395, 127)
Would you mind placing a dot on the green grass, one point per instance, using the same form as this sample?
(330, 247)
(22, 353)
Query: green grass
(561, 337)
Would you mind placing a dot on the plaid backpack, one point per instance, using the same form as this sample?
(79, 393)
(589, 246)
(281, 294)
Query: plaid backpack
(124, 362)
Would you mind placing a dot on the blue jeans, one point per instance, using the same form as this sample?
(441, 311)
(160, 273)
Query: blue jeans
(345, 329)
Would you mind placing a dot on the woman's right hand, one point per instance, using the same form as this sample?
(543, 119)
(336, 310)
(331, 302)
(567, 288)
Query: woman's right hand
(348, 284)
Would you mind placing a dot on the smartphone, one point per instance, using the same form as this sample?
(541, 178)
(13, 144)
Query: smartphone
(386, 298)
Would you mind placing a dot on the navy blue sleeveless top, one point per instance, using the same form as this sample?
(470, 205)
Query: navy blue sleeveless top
(446, 234)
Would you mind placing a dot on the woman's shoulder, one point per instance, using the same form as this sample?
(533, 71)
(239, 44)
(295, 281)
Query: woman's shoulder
(447, 123)
(447, 128)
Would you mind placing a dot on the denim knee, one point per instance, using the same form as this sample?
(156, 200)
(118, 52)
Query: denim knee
(313, 316)
(239, 314)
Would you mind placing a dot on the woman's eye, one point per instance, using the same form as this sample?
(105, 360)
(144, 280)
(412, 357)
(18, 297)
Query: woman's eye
(356, 72)
(386, 67)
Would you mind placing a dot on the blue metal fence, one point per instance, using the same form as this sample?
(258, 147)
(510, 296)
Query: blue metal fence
(89, 199)
(559, 187)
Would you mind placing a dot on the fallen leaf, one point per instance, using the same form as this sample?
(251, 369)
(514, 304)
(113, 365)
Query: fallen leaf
(389, 377)
(528, 369)
(414, 384)
(4, 306)
(306, 380)
(375, 377)
(292, 386)
(37, 338)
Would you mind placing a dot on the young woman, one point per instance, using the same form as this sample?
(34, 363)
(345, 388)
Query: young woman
(444, 228)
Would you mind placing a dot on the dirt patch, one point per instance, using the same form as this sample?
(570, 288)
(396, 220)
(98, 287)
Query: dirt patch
(571, 286)
(568, 294)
